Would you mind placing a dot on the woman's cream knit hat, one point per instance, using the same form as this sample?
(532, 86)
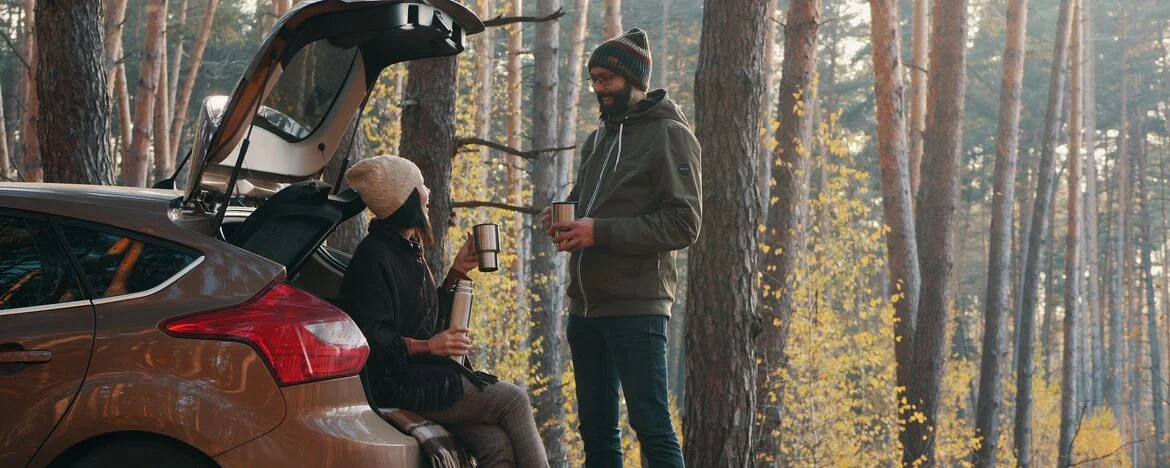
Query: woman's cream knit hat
(385, 182)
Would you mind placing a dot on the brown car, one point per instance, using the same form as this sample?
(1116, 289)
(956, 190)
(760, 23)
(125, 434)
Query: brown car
(145, 327)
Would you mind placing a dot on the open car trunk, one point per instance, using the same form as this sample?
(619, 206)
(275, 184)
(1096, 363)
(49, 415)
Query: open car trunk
(268, 143)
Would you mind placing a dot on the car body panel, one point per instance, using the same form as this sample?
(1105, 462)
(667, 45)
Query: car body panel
(342, 427)
(36, 396)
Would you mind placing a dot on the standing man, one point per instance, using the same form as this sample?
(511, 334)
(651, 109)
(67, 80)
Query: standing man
(639, 198)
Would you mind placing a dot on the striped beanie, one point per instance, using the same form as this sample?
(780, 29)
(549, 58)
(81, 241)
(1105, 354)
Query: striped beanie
(627, 55)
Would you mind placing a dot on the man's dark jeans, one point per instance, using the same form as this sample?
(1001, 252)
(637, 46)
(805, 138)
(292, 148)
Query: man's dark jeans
(630, 352)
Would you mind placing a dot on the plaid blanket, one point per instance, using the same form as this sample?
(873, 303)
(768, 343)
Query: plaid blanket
(440, 446)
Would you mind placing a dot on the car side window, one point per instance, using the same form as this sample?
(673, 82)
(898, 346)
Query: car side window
(116, 264)
(34, 271)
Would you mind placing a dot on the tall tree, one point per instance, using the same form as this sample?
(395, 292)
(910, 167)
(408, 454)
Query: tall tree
(1096, 315)
(918, 83)
(935, 220)
(484, 75)
(722, 323)
(613, 18)
(137, 161)
(788, 215)
(180, 117)
(1156, 380)
(5, 156)
(515, 127)
(164, 160)
(73, 103)
(1069, 393)
(569, 97)
(897, 195)
(1036, 239)
(30, 152)
(1113, 379)
(115, 19)
(355, 147)
(999, 257)
(547, 296)
(180, 28)
(428, 139)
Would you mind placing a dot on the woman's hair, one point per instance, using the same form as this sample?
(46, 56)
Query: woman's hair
(413, 217)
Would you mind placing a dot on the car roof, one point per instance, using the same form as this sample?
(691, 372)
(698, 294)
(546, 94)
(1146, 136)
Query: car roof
(128, 207)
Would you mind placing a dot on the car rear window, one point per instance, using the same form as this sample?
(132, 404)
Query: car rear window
(117, 264)
(33, 269)
(307, 87)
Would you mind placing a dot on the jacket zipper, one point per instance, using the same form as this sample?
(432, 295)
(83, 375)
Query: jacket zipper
(596, 190)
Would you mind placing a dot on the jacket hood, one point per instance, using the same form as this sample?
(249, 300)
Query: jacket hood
(657, 105)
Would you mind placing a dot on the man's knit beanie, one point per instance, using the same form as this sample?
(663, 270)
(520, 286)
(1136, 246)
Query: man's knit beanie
(384, 182)
(627, 55)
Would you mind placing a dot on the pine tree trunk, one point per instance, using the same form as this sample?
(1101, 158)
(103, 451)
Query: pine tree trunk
(125, 126)
(613, 18)
(5, 156)
(137, 161)
(999, 277)
(73, 103)
(1156, 379)
(897, 196)
(485, 61)
(115, 19)
(918, 84)
(1050, 302)
(721, 302)
(164, 160)
(1095, 316)
(1069, 393)
(569, 98)
(1133, 300)
(515, 127)
(30, 166)
(788, 216)
(1040, 224)
(935, 219)
(764, 165)
(428, 139)
(1113, 382)
(180, 119)
(350, 233)
(176, 70)
(545, 263)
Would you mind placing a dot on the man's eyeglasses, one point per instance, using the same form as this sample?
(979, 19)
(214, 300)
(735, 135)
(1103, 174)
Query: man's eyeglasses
(603, 80)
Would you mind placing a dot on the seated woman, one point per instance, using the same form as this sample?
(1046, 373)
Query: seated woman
(390, 293)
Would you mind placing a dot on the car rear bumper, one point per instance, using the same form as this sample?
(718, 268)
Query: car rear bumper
(328, 423)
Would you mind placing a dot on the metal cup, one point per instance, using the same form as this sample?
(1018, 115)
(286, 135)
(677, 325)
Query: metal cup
(487, 246)
(563, 212)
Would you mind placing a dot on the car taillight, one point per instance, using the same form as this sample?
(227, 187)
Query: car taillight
(302, 338)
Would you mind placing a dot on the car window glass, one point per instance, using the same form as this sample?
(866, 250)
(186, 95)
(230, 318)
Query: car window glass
(33, 269)
(306, 90)
(117, 264)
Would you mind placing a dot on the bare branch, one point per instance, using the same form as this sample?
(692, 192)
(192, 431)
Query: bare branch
(501, 20)
(531, 154)
(500, 206)
(16, 51)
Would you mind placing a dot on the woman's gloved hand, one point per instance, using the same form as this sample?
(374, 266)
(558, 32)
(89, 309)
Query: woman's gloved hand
(450, 342)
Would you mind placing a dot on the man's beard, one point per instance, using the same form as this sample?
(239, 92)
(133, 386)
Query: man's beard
(619, 102)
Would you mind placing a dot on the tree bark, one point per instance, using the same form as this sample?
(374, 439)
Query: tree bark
(935, 219)
(184, 100)
(176, 69)
(428, 139)
(1040, 215)
(1069, 393)
(513, 181)
(1156, 381)
(569, 98)
(115, 20)
(30, 166)
(73, 103)
(785, 234)
(1096, 315)
(918, 84)
(5, 156)
(997, 306)
(546, 264)
(164, 160)
(613, 18)
(137, 161)
(897, 196)
(1047, 323)
(1113, 382)
(721, 366)
(485, 76)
